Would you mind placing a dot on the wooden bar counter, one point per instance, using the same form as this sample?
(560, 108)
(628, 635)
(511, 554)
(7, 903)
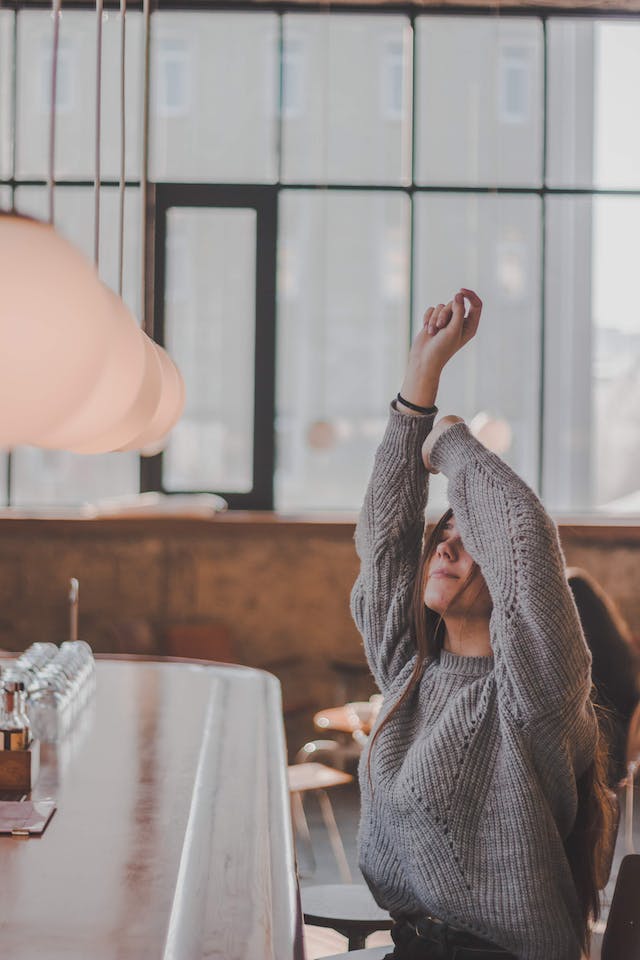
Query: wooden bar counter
(172, 835)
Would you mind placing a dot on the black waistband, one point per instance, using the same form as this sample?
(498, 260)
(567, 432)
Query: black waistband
(435, 930)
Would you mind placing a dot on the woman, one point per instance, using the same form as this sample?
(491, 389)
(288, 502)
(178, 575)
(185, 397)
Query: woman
(471, 833)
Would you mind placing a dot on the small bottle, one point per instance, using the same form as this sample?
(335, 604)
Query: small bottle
(14, 725)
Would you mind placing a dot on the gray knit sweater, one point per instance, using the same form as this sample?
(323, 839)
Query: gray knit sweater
(473, 781)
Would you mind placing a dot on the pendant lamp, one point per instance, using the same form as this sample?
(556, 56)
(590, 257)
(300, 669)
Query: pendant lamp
(54, 329)
(168, 412)
(139, 412)
(116, 388)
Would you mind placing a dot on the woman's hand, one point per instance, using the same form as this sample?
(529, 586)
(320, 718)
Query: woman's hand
(443, 424)
(445, 330)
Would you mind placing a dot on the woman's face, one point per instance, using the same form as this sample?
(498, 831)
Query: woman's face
(448, 568)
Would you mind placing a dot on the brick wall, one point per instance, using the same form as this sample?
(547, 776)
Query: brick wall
(264, 591)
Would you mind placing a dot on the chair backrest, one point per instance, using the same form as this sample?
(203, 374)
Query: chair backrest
(621, 939)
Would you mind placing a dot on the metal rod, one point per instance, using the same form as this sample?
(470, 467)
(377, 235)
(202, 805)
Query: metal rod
(74, 600)
(144, 174)
(52, 117)
(123, 134)
(96, 191)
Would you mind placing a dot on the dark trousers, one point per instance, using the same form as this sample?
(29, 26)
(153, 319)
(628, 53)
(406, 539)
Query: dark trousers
(441, 942)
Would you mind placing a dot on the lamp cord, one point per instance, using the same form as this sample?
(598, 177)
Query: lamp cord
(56, 4)
(147, 322)
(123, 13)
(96, 188)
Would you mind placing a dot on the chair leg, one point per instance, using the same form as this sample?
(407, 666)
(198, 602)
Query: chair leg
(334, 835)
(302, 827)
(629, 846)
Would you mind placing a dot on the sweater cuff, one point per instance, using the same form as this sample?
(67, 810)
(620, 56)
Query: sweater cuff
(454, 447)
(405, 433)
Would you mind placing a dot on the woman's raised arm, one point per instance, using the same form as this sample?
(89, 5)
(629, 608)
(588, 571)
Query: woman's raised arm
(390, 526)
(537, 639)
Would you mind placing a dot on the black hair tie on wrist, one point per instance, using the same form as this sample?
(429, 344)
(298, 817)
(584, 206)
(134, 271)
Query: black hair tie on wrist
(414, 406)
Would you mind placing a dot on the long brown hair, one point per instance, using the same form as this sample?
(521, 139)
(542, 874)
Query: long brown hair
(589, 845)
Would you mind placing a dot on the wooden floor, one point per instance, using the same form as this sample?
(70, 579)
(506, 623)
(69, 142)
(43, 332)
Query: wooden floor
(321, 942)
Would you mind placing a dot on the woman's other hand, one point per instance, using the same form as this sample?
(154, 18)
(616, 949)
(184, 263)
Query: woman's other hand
(445, 330)
(443, 424)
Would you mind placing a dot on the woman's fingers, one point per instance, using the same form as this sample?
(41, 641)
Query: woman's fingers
(445, 315)
(427, 317)
(433, 319)
(475, 309)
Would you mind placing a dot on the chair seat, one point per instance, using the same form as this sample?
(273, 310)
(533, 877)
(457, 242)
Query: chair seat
(344, 906)
(373, 953)
(315, 776)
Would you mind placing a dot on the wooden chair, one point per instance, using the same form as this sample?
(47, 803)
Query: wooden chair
(318, 778)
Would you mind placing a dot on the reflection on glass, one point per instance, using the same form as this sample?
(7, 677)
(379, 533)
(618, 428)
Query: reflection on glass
(594, 74)
(215, 80)
(76, 94)
(74, 213)
(490, 244)
(209, 331)
(6, 70)
(479, 101)
(343, 294)
(346, 99)
(593, 355)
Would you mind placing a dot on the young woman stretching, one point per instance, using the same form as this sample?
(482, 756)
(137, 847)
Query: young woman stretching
(484, 803)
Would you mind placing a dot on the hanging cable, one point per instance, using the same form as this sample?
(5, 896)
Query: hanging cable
(56, 4)
(123, 102)
(96, 189)
(147, 324)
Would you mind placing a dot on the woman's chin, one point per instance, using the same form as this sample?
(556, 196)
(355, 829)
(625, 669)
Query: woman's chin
(435, 603)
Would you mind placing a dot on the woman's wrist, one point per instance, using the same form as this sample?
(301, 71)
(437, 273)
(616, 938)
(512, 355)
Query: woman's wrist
(422, 393)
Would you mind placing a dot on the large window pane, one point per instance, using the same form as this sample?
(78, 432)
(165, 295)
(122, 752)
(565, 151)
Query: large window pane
(48, 477)
(479, 101)
(346, 99)
(343, 291)
(594, 73)
(491, 244)
(74, 218)
(214, 97)
(6, 85)
(76, 94)
(592, 378)
(210, 332)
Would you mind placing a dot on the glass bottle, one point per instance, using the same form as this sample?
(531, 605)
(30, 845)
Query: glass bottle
(14, 725)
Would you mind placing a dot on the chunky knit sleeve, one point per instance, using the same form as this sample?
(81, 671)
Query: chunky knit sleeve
(388, 542)
(538, 644)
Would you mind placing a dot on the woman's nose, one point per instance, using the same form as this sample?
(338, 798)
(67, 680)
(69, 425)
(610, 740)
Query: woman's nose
(446, 549)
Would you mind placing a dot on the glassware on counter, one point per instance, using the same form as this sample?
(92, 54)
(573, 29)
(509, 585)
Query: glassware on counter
(14, 724)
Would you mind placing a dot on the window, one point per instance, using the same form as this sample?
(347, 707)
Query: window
(173, 77)
(341, 133)
(515, 78)
(293, 80)
(394, 80)
(394, 184)
(66, 79)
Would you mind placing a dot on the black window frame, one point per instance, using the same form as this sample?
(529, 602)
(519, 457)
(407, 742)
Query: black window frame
(262, 199)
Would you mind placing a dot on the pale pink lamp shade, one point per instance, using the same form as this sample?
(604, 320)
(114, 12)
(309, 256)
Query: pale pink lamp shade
(54, 329)
(113, 394)
(169, 409)
(140, 412)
